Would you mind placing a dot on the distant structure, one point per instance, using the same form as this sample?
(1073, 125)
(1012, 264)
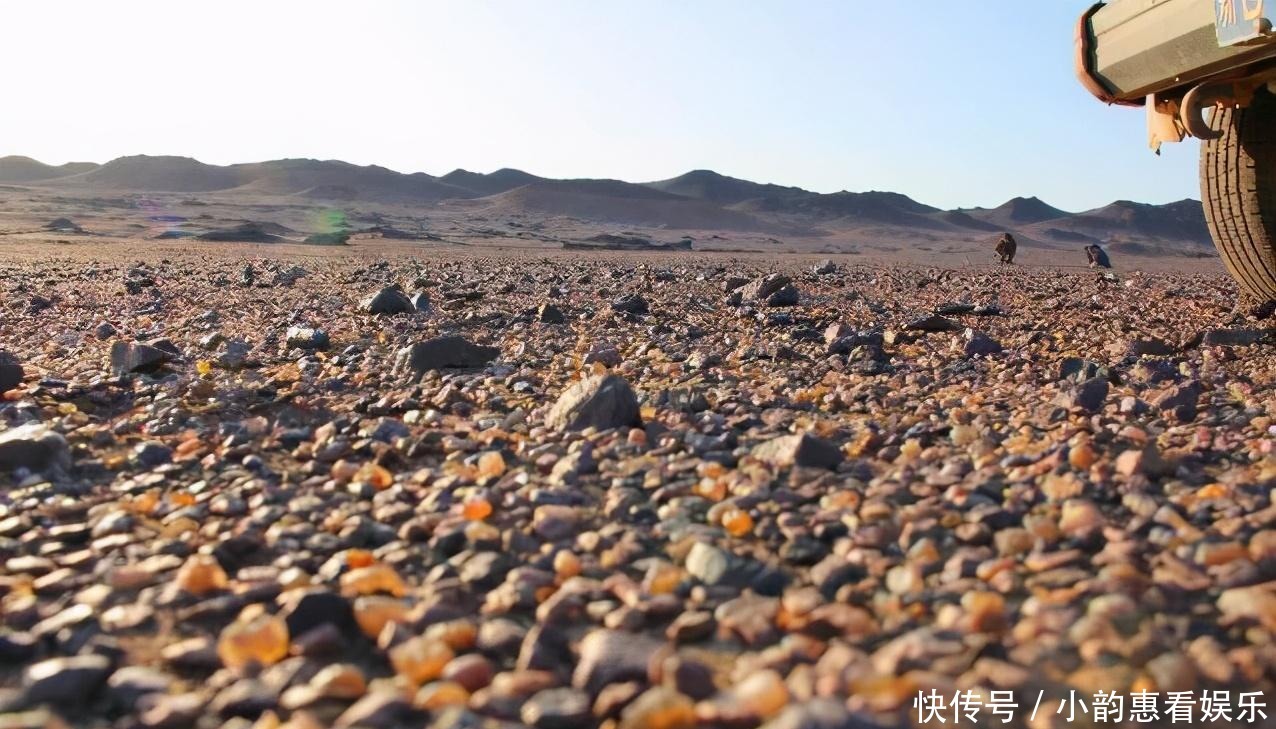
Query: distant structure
(1097, 257)
(1006, 248)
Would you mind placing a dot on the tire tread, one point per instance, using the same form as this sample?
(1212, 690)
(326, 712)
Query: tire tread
(1238, 190)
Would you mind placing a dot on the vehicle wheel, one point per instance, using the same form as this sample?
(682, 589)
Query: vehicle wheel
(1238, 189)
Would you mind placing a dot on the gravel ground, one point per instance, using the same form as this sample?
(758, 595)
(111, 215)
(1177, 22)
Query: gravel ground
(622, 491)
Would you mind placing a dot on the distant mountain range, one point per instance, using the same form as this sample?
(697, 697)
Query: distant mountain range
(700, 200)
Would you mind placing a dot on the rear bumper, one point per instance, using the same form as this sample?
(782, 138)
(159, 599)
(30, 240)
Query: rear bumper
(1084, 62)
(1127, 49)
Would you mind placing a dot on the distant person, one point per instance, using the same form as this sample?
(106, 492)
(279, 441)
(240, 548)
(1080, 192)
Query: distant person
(1006, 248)
(1096, 256)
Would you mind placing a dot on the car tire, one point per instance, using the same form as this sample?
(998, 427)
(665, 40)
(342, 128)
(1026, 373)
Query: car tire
(1238, 191)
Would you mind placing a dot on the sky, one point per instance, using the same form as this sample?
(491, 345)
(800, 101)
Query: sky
(956, 104)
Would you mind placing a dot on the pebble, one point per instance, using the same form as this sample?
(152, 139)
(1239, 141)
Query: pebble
(707, 563)
(307, 338)
(979, 344)
(11, 372)
(932, 323)
(1180, 401)
(763, 287)
(449, 352)
(609, 656)
(69, 681)
(559, 708)
(598, 401)
(130, 357)
(33, 446)
(388, 300)
(630, 304)
(659, 708)
(801, 449)
(1089, 396)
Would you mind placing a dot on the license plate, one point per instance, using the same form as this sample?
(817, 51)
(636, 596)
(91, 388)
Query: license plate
(1240, 21)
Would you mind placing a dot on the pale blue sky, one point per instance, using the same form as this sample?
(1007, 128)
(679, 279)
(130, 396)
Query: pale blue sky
(953, 103)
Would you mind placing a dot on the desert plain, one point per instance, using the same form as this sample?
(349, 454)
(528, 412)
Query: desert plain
(449, 473)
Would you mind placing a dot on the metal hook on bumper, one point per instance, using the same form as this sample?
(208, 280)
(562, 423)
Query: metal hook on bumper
(1192, 109)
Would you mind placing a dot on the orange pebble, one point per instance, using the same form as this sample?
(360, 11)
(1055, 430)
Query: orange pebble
(477, 509)
(420, 659)
(663, 578)
(1082, 456)
(374, 613)
(737, 522)
(491, 464)
(566, 564)
(377, 476)
(440, 695)
(711, 488)
(201, 574)
(459, 635)
(371, 580)
(263, 639)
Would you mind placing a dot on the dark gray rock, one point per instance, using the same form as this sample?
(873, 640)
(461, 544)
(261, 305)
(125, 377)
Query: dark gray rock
(164, 344)
(1088, 396)
(761, 289)
(235, 354)
(688, 676)
(247, 697)
(307, 338)
(65, 681)
(630, 304)
(609, 356)
(1079, 370)
(1181, 401)
(543, 648)
(130, 357)
(1150, 346)
(786, 296)
(600, 401)
(1237, 337)
(388, 300)
(608, 656)
(826, 266)
(10, 371)
(844, 340)
(306, 610)
(979, 344)
(486, 570)
(448, 352)
(834, 571)
(151, 454)
(131, 683)
(420, 301)
(1153, 371)
(954, 309)
(932, 323)
(33, 446)
(550, 314)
